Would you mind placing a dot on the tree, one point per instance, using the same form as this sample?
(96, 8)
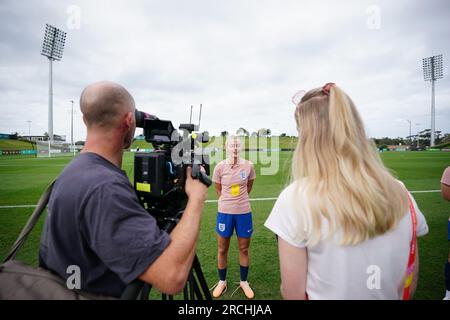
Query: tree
(283, 135)
(224, 133)
(385, 141)
(263, 132)
(242, 132)
(421, 140)
(437, 137)
(424, 138)
(445, 138)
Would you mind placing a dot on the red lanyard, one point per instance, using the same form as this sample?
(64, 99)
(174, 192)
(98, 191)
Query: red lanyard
(412, 253)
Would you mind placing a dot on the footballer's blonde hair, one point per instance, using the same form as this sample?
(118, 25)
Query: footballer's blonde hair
(347, 183)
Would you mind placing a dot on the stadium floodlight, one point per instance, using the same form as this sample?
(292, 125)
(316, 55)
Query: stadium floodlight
(432, 71)
(52, 48)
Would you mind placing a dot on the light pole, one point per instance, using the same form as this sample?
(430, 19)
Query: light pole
(418, 126)
(52, 48)
(29, 128)
(432, 71)
(410, 138)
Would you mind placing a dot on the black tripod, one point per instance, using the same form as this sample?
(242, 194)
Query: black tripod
(196, 287)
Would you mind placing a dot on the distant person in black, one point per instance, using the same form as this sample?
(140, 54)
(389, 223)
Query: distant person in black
(95, 220)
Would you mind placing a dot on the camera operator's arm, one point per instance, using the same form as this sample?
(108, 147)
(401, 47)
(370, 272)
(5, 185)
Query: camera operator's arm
(170, 271)
(218, 188)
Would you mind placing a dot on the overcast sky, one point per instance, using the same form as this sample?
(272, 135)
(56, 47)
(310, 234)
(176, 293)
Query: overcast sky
(243, 60)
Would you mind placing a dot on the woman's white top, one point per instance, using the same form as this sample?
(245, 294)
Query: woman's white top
(374, 269)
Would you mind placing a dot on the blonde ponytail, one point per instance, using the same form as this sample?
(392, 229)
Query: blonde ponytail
(347, 183)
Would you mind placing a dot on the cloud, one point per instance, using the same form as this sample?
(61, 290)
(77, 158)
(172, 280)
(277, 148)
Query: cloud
(242, 60)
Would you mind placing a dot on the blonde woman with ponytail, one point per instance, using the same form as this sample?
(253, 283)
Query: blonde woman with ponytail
(345, 224)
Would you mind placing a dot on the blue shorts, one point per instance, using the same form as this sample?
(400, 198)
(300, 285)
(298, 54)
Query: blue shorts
(226, 223)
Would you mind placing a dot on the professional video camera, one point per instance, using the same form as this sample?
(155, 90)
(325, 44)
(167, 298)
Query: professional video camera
(160, 175)
(159, 181)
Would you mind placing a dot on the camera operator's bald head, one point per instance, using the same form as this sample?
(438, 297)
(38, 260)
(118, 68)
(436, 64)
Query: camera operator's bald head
(104, 103)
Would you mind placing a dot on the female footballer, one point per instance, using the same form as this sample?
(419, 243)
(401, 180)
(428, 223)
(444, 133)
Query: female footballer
(233, 178)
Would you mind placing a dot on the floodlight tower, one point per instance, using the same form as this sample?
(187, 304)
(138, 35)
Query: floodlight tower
(432, 71)
(52, 48)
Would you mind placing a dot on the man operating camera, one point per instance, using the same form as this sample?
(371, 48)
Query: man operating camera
(95, 220)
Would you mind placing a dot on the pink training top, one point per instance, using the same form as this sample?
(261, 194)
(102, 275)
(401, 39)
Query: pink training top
(234, 179)
(446, 177)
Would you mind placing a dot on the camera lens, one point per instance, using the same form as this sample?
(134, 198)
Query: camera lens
(141, 117)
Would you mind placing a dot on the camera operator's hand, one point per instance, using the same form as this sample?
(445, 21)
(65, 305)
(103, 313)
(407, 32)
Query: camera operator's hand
(194, 188)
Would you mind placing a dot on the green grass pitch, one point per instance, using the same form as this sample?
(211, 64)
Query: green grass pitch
(23, 180)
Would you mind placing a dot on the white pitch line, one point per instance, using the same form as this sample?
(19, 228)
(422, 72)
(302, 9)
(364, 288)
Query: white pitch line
(269, 199)
(207, 201)
(19, 206)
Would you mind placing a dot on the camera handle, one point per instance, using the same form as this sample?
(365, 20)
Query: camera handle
(198, 174)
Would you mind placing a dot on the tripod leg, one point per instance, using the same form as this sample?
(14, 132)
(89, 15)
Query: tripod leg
(131, 292)
(145, 292)
(191, 281)
(201, 277)
(197, 291)
(185, 293)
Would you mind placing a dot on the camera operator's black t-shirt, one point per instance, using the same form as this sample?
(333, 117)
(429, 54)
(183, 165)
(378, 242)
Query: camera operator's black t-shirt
(95, 222)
